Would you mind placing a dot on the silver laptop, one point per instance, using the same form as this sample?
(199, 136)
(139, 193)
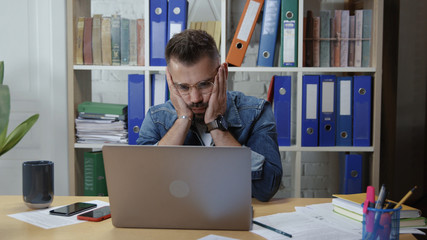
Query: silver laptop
(189, 187)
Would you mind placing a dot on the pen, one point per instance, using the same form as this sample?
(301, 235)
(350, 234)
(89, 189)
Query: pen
(381, 198)
(378, 205)
(405, 197)
(272, 228)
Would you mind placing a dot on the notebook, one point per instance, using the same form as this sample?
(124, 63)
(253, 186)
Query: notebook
(189, 187)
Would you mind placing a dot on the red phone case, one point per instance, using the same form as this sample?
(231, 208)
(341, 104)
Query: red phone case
(94, 219)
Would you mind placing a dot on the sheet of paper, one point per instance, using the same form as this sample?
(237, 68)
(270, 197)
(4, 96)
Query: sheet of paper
(300, 227)
(215, 237)
(42, 218)
(324, 213)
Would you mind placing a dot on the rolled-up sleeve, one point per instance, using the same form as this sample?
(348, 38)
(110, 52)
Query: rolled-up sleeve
(263, 141)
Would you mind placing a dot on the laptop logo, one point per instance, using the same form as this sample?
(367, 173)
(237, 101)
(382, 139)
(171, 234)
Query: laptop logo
(179, 189)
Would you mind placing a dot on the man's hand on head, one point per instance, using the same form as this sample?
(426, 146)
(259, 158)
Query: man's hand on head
(218, 99)
(176, 99)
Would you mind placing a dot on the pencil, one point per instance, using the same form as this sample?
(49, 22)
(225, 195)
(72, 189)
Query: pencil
(272, 228)
(405, 197)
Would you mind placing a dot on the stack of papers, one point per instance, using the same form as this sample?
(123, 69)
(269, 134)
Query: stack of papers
(101, 131)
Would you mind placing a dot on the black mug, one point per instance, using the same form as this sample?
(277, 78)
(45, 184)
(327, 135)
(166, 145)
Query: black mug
(37, 183)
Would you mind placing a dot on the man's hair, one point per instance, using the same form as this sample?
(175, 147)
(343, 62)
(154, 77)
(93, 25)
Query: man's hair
(190, 46)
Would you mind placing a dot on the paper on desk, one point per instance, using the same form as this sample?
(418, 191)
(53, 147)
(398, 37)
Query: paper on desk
(42, 218)
(215, 237)
(316, 221)
(300, 226)
(324, 213)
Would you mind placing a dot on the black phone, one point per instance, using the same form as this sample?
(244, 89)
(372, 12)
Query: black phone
(96, 215)
(72, 209)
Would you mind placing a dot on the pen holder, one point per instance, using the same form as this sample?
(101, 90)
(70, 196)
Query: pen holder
(381, 224)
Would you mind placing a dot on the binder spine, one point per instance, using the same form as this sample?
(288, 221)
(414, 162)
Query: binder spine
(344, 135)
(136, 106)
(310, 111)
(327, 126)
(289, 34)
(362, 111)
(282, 109)
(158, 31)
(269, 28)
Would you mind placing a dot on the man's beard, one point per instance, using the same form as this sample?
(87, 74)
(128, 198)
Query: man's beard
(198, 117)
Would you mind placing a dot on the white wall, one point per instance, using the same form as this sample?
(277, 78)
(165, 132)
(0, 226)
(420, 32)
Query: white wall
(33, 47)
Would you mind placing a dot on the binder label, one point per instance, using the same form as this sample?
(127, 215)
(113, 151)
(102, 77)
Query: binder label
(248, 21)
(159, 48)
(328, 97)
(311, 101)
(345, 98)
(288, 42)
(174, 28)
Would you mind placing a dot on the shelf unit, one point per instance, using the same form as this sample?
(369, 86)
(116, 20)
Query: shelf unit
(79, 84)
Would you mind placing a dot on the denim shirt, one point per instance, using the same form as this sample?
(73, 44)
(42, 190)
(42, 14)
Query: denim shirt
(251, 122)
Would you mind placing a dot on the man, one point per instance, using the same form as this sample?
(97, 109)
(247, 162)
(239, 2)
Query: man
(202, 112)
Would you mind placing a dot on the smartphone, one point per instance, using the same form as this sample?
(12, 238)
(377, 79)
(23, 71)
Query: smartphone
(72, 209)
(96, 215)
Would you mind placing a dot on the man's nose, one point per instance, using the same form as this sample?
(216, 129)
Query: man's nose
(195, 95)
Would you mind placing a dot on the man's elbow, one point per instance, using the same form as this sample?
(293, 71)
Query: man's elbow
(265, 188)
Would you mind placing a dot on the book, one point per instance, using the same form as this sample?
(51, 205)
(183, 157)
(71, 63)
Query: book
(366, 35)
(332, 41)
(115, 40)
(358, 27)
(140, 32)
(309, 39)
(87, 42)
(124, 41)
(217, 34)
(351, 42)
(132, 42)
(404, 222)
(325, 34)
(316, 42)
(96, 39)
(337, 42)
(353, 203)
(106, 41)
(345, 30)
(94, 174)
(78, 48)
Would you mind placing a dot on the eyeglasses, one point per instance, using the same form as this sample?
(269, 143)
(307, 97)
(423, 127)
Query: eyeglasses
(204, 87)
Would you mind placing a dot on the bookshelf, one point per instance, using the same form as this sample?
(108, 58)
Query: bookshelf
(80, 81)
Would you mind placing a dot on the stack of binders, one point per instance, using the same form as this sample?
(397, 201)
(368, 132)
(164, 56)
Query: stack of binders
(336, 111)
(278, 16)
(166, 19)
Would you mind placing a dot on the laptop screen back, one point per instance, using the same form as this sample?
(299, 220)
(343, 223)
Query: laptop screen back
(191, 187)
